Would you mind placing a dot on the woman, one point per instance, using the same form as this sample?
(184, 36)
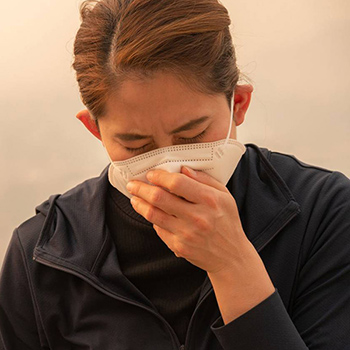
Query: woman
(188, 240)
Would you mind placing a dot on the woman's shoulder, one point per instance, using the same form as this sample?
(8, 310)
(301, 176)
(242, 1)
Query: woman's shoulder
(73, 203)
(316, 189)
(297, 174)
(295, 170)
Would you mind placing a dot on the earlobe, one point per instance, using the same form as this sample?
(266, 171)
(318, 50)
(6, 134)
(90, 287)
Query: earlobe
(85, 117)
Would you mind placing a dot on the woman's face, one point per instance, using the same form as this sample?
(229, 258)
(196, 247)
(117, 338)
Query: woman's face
(161, 111)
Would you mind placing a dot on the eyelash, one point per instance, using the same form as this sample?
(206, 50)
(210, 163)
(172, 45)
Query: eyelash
(136, 150)
(186, 140)
(194, 139)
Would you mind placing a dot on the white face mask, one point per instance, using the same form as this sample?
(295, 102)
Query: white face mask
(218, 159)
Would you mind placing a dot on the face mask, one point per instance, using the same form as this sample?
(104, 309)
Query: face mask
(219, 159)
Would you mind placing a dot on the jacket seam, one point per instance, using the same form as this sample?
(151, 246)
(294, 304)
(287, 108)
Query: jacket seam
(296, 277)
(49, 218)
(64, 261)
(295, 280)
(276, 177)
(284, 216)
(39, 325)
(286, 192)
(74, 267)
(271, 172)
(94, 265)
(305, 166)
(92, 280)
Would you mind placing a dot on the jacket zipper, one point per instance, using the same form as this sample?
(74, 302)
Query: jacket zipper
(186, 345)
(113, 295)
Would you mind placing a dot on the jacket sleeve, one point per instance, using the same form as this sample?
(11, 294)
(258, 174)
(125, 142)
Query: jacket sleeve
(320, 313)
(18, 326)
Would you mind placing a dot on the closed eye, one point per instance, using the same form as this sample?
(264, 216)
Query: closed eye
(193, 139)
(137, 150)
(181, 139)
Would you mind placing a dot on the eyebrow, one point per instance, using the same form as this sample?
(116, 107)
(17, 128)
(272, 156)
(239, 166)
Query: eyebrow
(188, 126)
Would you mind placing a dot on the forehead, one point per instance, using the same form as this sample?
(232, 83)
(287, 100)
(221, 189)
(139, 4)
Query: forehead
(158, 89)
(162, 98)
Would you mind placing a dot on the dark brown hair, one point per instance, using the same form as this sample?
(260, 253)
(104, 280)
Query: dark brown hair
(120, 38)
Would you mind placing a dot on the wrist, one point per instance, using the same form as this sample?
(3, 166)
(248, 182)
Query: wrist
(242, 285)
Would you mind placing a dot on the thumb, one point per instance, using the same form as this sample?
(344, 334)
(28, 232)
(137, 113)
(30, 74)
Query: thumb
(203, 178)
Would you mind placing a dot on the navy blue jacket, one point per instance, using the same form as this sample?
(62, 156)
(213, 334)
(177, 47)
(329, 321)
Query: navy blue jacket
(62, 288)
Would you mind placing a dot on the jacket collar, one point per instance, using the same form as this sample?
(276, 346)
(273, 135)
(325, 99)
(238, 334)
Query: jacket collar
(75, 235)
(265, 203)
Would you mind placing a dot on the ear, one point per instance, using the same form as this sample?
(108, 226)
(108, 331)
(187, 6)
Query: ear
(85, 117)
(242, 97)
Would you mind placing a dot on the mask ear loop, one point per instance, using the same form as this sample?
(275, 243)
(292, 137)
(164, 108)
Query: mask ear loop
(110, 159)
(220, 152)
(230, 127)
(123, 173)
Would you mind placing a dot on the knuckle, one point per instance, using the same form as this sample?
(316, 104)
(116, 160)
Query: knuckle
(136, 188)
(174, 183)
(161, 221)
(150, 214)
(156, 195)
(180, 250)
(201, 223)
(211, 199)
(187, 236)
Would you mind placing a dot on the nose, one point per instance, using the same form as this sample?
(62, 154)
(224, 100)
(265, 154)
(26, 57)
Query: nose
(164, 141)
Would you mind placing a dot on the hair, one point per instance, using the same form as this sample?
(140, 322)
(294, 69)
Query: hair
(121, 39)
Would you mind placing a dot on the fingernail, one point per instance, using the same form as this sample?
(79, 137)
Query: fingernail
(130, 186)
(150, 175)
(190, 171)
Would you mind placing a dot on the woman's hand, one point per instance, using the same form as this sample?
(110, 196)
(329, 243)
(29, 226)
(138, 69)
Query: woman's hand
(195, 216)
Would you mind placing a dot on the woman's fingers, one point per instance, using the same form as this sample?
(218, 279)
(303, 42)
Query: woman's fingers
(203, 178)
(153, 214)
(159, 198)
(194, 186)
(168, 238)
(166, 227)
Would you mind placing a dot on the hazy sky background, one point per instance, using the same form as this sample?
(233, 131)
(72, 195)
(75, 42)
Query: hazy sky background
(297, 54)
